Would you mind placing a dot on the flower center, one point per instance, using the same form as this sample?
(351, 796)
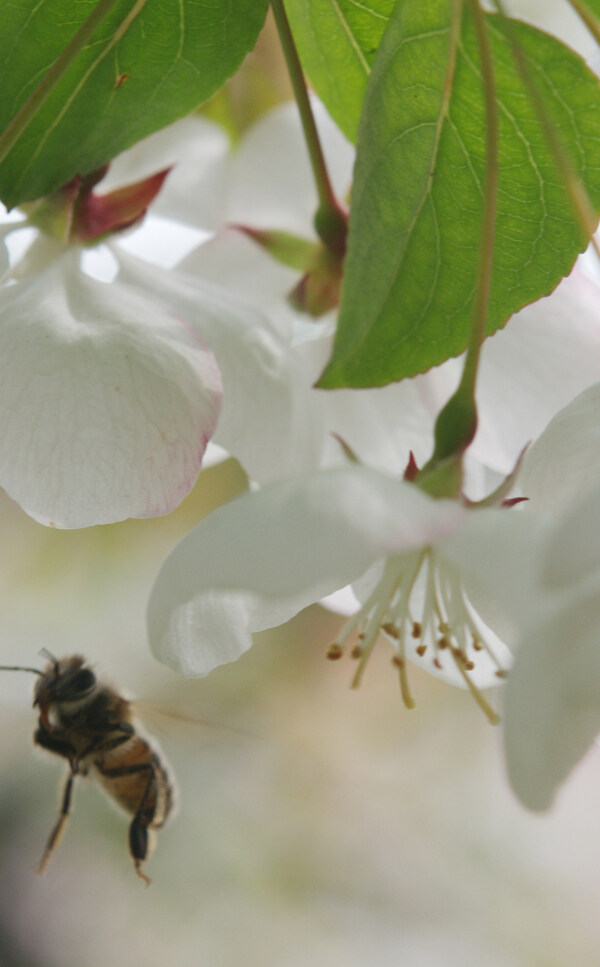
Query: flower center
(420, 605)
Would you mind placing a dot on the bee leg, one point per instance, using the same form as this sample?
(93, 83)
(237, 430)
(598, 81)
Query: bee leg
(46, 740)
(60, 823)
(139, 840)
(138, 846)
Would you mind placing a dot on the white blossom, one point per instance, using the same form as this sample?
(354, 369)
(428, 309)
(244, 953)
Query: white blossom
(552, 708)
(257, 561)
(107, 398)
(545, 355)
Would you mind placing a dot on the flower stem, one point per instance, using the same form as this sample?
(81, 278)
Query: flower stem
(29, 109)
(331, 219)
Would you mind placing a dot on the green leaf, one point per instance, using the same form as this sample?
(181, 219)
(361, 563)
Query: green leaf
(415, 224)
(337, 41)
(145, 66)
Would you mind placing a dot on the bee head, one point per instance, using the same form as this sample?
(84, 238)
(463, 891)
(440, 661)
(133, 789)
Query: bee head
(63, 680)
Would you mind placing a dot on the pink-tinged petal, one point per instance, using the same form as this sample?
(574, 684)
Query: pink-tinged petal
(552, 708)
(107, 399)
(269, 419)
(547, 354)
(258, 561)
(565, 461)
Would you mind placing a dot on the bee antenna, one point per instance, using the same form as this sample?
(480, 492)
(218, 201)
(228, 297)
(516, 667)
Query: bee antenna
(20, 668)
(51, 657)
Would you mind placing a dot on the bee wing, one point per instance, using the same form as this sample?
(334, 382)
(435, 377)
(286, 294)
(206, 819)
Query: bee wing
(166, 722)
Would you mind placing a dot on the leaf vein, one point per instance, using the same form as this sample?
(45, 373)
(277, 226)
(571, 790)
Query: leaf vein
(353, 41)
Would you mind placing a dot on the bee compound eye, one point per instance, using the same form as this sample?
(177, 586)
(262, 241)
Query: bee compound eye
(83, 680)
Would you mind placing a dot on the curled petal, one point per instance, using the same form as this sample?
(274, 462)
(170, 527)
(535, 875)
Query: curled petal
(552, 709)
(107, 399)
(258, 561)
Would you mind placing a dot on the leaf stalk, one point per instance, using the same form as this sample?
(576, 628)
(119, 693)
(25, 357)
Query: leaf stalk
(331, 219)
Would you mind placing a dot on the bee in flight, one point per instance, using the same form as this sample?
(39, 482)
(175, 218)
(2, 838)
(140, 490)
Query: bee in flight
(89, 724)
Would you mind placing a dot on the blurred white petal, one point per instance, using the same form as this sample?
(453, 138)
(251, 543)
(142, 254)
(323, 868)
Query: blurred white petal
(381, 425)
(566, 458)
(197, 151)
(573, 552)
(162, 240)
(272, 184)
(552, 707)
(547, 354)
(268, 419)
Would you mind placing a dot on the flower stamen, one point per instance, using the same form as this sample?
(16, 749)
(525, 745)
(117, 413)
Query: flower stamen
(444, 623)
(492, 717)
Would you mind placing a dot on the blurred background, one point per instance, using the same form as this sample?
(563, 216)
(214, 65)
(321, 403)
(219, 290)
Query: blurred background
(317, 825)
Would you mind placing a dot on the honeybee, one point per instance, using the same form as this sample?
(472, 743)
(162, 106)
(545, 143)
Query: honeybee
(90, 724)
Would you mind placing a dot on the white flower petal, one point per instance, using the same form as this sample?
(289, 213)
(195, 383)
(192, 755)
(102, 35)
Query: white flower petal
(5, 229)
(259, 560)
(161, 240)
(499, 552)
(232, 260)
(552, 709)
(565, 460)
(197, 151)
(380, 425)
(573, 551)
(268, 420)
(547, 354)
(107, 400)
